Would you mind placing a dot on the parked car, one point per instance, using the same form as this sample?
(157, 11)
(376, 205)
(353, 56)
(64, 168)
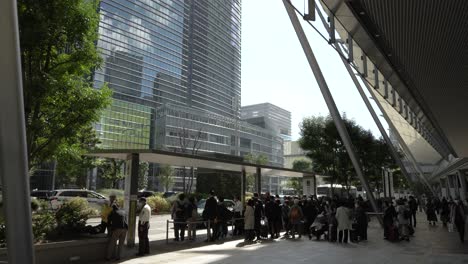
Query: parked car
(145, 193)
(58, 197)
(169, 194)
(41, 194)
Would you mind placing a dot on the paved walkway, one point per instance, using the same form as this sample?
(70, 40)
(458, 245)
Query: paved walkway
(429, 245)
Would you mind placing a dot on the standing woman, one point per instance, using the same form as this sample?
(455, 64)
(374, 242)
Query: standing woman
(362, 221)
(431, 212)
(343, 216)
(459, 218)
(249, 220)
(403, 219)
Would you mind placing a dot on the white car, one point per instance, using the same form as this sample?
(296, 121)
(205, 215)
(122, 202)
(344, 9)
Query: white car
(58, 197)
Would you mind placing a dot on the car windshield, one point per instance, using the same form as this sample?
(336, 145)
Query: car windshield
(201, 203)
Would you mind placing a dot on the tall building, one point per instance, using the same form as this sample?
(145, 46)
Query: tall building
(174, 68)
(182, 52)
(269, 116)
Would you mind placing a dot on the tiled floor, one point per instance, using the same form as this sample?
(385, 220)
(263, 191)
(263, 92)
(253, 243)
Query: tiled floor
(429, 245)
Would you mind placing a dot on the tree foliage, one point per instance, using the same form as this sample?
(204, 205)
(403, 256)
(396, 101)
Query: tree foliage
(166, 177)
(111, 170)
(143, 175)
(296, 182)
(58, 56)
(321, 140)
(259, 159)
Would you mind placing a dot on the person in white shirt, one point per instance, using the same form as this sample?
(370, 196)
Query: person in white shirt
(238, 208)
(143, 227)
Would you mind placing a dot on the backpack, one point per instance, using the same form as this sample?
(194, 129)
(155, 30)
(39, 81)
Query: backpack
(295, 214)
(406, 214)
(180, 214)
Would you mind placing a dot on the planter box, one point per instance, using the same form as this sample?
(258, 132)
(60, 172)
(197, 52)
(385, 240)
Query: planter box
(74, 251)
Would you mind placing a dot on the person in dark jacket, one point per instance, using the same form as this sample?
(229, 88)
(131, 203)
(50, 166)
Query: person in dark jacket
(361, 221)
(224, 215)
(431, 213)
(285, 216)
(445, 212)
(413, 206)
(210, 213)
(459, 216)
(389, 217)
(259, 212)
(118, 226)
(310, 213)
(277, 212)
(269, 214)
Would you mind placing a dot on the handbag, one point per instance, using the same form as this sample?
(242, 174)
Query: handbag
(450, 227)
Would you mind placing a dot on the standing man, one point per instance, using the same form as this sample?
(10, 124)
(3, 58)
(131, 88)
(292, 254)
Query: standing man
(210, 213)
(179, 215)
(105, 212)
(413, 206)
(143, 227)
(238, 208)
(118, 226)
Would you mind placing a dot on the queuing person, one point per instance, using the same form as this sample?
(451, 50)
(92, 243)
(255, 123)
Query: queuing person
(390, 215)
(319, 226)
(259, 212)
(403, 216)
(361, 221)
(269, 214)
(143, 227)
(277, 212)
(459, 218)
(310, 213)
(238, 208)
(431, 213)
(105, 212)
(295, 219)
(285, 216)
(249, 220)
(192, 226)
(413, 207)
(210, 213)
(180, 217)
(444, 212)
(224, 215)
(343, 216)
(118, 226)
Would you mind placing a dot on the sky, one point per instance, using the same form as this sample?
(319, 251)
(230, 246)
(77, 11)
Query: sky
(275, 69)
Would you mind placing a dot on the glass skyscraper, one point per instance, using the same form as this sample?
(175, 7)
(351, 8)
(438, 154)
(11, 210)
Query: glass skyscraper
(182, 52)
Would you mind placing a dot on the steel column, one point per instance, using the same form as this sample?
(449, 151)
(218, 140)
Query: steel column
(131, 193)
(13, 153)
(329, 100)
(258, 180)
(463, 187)
(243, 186)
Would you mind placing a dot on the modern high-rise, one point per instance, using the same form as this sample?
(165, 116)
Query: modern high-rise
(174, 68)
(269, 116)
(182, 52)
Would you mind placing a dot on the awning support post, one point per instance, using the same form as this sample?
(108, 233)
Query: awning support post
(131, 192)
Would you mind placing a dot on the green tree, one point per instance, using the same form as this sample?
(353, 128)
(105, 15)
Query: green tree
(166, 177)
(111, 170)
(296, 182)
(58, 56)
(143, 175)
(72, 165)
(320, 138)
(260, 159)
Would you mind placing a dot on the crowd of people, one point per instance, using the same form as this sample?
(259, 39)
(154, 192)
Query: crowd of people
(265, 216)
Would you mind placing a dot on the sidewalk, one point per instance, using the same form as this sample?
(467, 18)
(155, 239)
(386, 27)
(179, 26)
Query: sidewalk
(429, 245)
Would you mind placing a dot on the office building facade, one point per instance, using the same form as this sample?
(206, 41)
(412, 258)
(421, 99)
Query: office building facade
(182, 52)
(269, 116)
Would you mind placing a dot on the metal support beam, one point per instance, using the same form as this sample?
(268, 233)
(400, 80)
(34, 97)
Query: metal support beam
(13, 153)
(258, 180)
(331, 32)
(364, 65)
(385, 83)
(131, 192)
(350, 48)
(376, 78)
(329, 101)
(371, 110)
(243, 186)
(463, 187)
